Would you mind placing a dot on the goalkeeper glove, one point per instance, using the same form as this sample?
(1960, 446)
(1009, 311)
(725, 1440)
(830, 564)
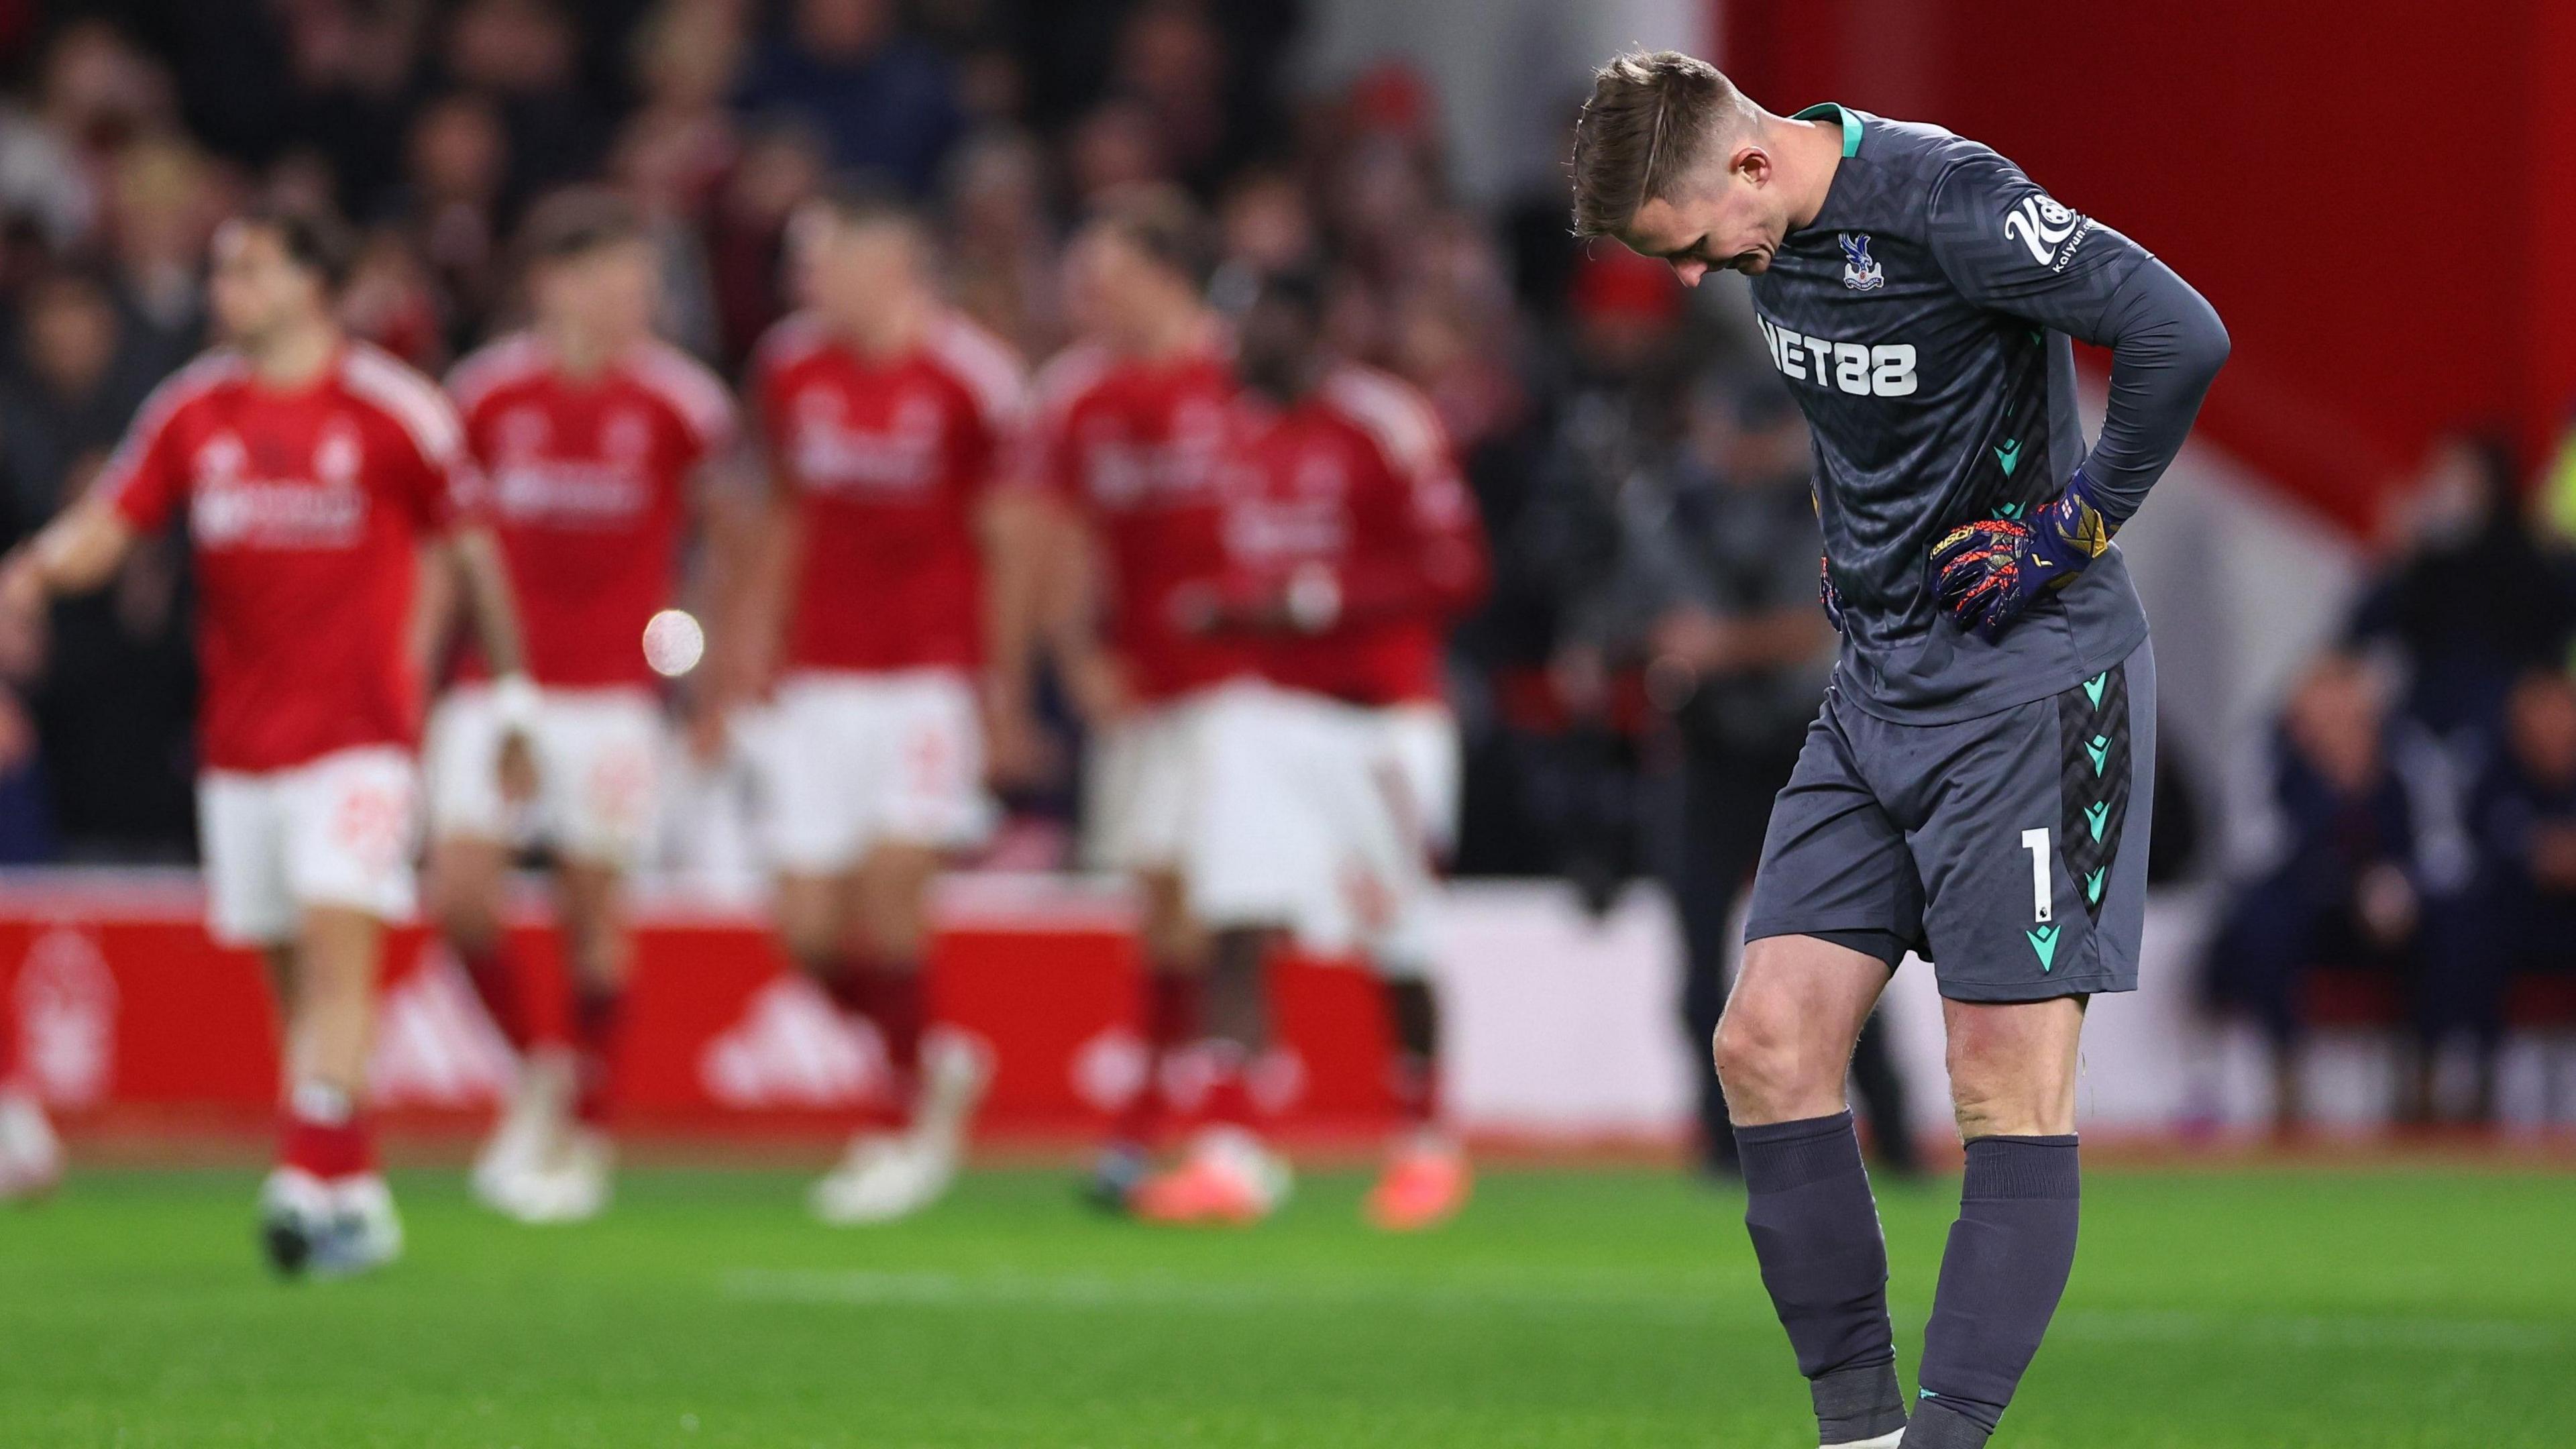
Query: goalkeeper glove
(1825, 590)
(1986, 573)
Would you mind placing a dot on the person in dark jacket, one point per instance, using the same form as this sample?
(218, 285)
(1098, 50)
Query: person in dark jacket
(1717, 591)
(2522, 823)
(2337, 866)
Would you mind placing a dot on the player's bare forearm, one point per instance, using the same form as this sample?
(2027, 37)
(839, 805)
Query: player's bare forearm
(759, 543)
(734, 517)
(433, 615)
(1016, 529)
(78, 552)
(1077, 579)
(483, 582)
(1069, 585)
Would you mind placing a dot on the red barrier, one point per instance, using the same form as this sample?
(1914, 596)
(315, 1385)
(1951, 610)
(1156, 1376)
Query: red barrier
(122, 1005)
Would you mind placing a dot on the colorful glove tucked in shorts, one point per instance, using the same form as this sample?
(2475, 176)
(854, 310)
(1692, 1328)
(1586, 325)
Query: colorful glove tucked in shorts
(1986, 573)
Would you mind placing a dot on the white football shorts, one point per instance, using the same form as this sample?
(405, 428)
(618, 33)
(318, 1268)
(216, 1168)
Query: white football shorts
(846, 761)
(598, 757)
(336, 831)
(1325, 818)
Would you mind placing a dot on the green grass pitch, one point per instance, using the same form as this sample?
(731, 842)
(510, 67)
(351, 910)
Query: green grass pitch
(2210, 1310)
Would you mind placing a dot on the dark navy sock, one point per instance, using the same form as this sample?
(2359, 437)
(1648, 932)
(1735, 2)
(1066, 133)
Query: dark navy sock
(2001, 1277)
(1815, 1234)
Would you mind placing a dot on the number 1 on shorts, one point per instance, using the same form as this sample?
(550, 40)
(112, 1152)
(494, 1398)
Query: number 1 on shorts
(2036, 842)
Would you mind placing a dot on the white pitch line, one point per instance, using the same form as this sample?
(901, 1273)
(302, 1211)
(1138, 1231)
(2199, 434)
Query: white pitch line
(1092, 1290)
(1697, 1303)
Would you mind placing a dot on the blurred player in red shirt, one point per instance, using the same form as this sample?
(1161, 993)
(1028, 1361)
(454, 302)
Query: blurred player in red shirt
(1354, 545)
(310, 470)
(1127, 442)
(893, 573)
(593, 437)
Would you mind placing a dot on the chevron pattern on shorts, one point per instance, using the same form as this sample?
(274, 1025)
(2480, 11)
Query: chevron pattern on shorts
(2093, 781)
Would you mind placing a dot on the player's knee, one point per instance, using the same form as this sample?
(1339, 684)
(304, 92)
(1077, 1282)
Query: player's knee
(1990, 1102)
(469, 920)
(1173, 941)
(812, 938)
(597, 951)
(897, 933)
(1759, 1061)
(894, 888)
(338, 950)
(1995, 1117)
(812, 926)
(815, 951)
(2012, 1068)
(462, 889)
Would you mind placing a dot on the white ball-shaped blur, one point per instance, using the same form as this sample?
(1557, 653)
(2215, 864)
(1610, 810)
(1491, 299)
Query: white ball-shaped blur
(673, 643)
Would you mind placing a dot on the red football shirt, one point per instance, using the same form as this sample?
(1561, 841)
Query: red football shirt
(887, 460)
(1357, 484)
(586, 484)
(305, 510)
(1136, 448)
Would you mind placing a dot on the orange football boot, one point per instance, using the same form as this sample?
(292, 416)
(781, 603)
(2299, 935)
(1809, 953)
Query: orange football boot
(1227, 1177)
(1426, 1182)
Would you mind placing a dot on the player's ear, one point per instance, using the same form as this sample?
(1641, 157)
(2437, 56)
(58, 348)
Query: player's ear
(1750, 164)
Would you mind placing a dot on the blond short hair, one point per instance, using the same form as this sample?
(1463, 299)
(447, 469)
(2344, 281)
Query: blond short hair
(1652, 117)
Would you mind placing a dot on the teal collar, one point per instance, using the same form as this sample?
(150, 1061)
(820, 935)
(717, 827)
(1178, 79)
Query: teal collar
(1851, 123)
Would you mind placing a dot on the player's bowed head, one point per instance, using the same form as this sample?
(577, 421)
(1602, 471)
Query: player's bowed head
(593, 278)
(1279, 339)
(1136, 273)
(1671, 159)
(861, 256)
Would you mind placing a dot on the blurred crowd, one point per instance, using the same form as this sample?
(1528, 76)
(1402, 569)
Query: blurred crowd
(2402, 848)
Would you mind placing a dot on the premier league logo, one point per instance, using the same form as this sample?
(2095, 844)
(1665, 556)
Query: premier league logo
(1860, 269)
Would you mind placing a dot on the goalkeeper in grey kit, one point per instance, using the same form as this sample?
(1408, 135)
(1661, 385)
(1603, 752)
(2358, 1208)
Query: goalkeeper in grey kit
(1976, 788)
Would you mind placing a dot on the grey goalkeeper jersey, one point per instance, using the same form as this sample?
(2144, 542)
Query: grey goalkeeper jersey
(1923, 322)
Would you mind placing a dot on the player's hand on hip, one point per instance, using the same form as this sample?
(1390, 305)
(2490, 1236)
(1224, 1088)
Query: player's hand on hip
(1986, 573)
(1982, 573)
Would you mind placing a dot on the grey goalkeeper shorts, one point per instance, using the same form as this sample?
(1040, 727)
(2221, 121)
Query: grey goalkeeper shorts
(2009, 850)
